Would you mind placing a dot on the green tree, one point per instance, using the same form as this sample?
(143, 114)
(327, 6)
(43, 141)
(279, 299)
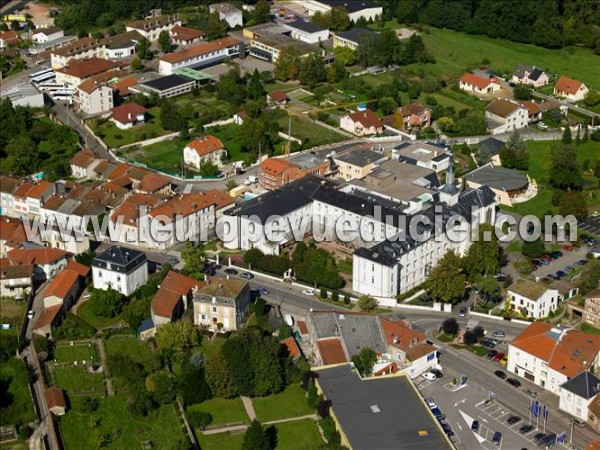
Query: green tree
(286, 66)
(107, 303)
(262, 12)
(534, 249)
(565, 172)
(483, 256)
(515, 154)
(143, 50)
(164, 41)
(162, 386)
(256, 437)
(366, 303)
(450, 326)
(312, 70)
(255, 89)
(199, 419)
(522, 92)
(566, 137)
(344, 55)
(218, 377)
(364, 361)
(193, 260)
(21, 156)
(140, 402)
(253, 256)
(180, 335)
(573, 203)
(446, 281)
(209, 169)
(386, 105)
(215, 28)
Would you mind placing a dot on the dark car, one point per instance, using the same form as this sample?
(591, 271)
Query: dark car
(513, 419)
(560, 274)
(247, 275)
(263, 291)
(230, 271)
(491, 354)
(538, 436)
(500, 374)
(547, 441)
(437, 373)
(447, 428)
(526, 429)
(487, 343)
(475, 425)
(497, 438)
(513, 382)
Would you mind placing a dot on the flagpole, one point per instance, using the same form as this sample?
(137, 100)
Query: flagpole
(537, 423)
(545, 416)
(530, 407)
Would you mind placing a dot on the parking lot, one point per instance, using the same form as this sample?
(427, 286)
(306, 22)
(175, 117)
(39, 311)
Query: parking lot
(568, 258)
(591, 225)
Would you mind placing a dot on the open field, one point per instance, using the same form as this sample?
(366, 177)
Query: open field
(65, 353)
(85, 312)
(16, 400)
(129, 346)
(115, 137)
(113, 424)
(12, 311)
(227, 134)
(300, 435)
(223, 410)
(77, 379)
(311, 134)
(289, 403)
(167, 155)
(220, 441)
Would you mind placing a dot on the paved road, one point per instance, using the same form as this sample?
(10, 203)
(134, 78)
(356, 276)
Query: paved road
(565, 103)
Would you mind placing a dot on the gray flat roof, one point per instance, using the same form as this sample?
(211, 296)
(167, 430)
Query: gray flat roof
(398, 424)
(361, 157)
(499, 178)
(422, 151)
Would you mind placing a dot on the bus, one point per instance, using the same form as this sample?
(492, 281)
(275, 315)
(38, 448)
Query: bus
(41, 75)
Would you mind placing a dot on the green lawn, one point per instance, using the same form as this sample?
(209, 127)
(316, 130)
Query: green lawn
(455, 51)
(513, 247)
(65, 353)
(113, 426)
(221, 441)
(85, 312)
(166, 155)
(13, 312)
(115, 137)
(16, 400)
(228, 136)
(223, 410)
(77, 379)
(129, 346)
(289, 403)
(300, 435)
(311, 134)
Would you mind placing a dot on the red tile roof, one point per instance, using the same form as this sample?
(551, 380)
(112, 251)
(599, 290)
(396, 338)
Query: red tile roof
(77, 46)
(42, 255)
(366, 118)
(124, 84)
(173, 288)
(278, 96)
(10, 35)
(23, 189)
(92, 83)
(83, 158)
(180, 283)
(400, 335)
(481, 83)
(567, 85)
(39, 189)
(12, 231)
(594, 445)
(219, 198)
(331, 351)
(130, 209)
(183, 205)
(153, 182)
(128, 112)
(185, 33)
(200, 49)
(276, 166)
(302, 328)
(205, 145)
(415, 109)
(84, 68)
(62, 284)
(48, 317)
(80, 269)
(55, 398)
(292, 346)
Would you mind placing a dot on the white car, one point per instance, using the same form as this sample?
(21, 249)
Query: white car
(30, 314)
(429, 376)
(542, 125)
(308, 292)
(249, 180)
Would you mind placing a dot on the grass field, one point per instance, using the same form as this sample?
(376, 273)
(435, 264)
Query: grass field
(227, 135)
(208, 347)
(454, 52)
(85, 312)
(166, 155)
(300, 435)
(128, 346)
(311, 134)
(289, 403)
(220, 441)
(16, 400)
(115, 137)
(77, 379)
(223, 410)
(13, 311)
(65, 353)
(113, 426)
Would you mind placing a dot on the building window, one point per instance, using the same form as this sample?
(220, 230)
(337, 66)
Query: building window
(214, 309)
(203, 316)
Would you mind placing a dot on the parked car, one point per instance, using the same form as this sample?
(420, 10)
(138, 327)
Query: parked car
(498, 357)
(429, 376)
(491, 354)
(538, 436)
(542, 126)
(567, 247)
(487, 343)
(250, 179)
(513, 419)
(560, 274)
(526, 429)
(30, 314)
(430, 402)
(462, 312)
(437, 413)
(309, 291)
(547, 441)
(513, 382)
(230, 271)
(556, 254)
(499, 334)
(447, 429)
(475, 426)
(263, 291)
(497, 438)
(504, 361)
(500, 374)
(437, 373)
(246, 275)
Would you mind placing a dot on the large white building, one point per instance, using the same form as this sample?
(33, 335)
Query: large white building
(151, 28)
(549, 356)
(308, 32)
(119, 268)
(356, 9)
(228, 13)
(577, 394)
(505, 115)
(202, 55)
(532, 299)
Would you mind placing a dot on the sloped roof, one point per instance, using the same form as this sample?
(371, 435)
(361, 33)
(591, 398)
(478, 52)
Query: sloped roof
(205, 144)
(502, 108)
(472, 79)
(331, 351)
(222, 287)
(84, 68)
(48, 317)
(185, 33)
(153, 182)
(42, 255)
(55, 398)
(278, 96)
(80, 269)
(415, 109)
(200, 49)
(219, 198)
(399, 335)
(366, 118)
(568, 85)
(62, 284)
(128, 112)
(527, 288)
(585, 385)
(83, 158)
(184, 205)
(292, 346)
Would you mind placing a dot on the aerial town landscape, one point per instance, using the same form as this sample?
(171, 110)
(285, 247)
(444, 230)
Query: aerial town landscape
(299, 225)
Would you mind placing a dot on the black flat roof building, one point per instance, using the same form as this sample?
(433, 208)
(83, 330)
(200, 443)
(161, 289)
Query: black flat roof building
(120, 259)
(308, 27)
(384, 413)
(169, 86)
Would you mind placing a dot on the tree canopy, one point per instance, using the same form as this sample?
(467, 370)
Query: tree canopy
(565, 172)
(515, 154)
(446, 281)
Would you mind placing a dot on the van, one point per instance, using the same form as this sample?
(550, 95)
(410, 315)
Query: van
(497, 438)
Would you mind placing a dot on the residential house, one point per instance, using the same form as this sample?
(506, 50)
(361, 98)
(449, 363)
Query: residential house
(352, 37)
(119, 268)
(356, 9)
(532, 299)
(506, 184)
(12, 234)
(172, 298)
(269, 46)
(594, 420)
(572, 90)
(489, 150)
(240, 117)
(55, 400)
(83, 163)
(527, 74)
(576, 395)
(94, 95)
(66, 286)
(152, 27)
(478, 85)
(122, 45)
(46, 35)
(566, 290)
(8, 186)
(9, 37)
(185, 36)
(292, 347)
(362, 123)
(204, 54)
(51, 317)
(228, 13)
(549, 356)
(534, 113)
(16, 281)
(275, 172)
(504, 116)
(308, 32)
(357, 164)
(590, 311)
(414, 115)
(429, 155)
(222, 304)
(154, 183)
(128, 115)
(47, 262)
(278, 98)
(203, 150)
(76, 71)
(36, 196)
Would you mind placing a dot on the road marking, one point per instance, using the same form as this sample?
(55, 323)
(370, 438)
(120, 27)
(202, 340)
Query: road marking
(484, 419)
(460, 402)
(459, 426)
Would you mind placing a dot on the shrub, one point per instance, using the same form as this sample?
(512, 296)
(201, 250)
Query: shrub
(335, 296)
(323, 293)
(346, 300)
(199, 419)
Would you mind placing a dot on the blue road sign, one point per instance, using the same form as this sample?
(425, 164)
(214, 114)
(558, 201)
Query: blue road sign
(562, 437)
(536, 408)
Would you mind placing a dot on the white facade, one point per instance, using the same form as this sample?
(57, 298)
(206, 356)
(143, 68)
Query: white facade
(536, 308)
(41, 37)
(125, 283)
(573, 97)
(98, 101)
(7, 204)
(312, 6)
(122, 52)
(204, 59)
(192, 158)
(516, 120)
(25, 95)
(574, 405)
(85, 172)
(152, 33)
(534, 369)
(58, 60)
(228, 13)
(308, 37)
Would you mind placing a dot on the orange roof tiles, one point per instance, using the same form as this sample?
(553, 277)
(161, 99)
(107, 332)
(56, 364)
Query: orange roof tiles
(83, 158)
(130, 209)
(9, 35)
(180, 283)
(481, 83)
(23, 189)
(39, 189)
(173, 288)
(12, 231)
(331, 351)
(77, 46)
(366, 118)
(278, 96)
(128, 112)
(567, 85)
(153, 182)
(49, 317)
(276, 166)
(84, 68)
(200, 49)
(80, 269)
(55, 398)
(185, 33)
(205, 145)
(302, 328)
(400, 335)
(41, 255)
(61, 284)
(92, 83)
(182, 205)
(292, 346)
(219, 198)
(124, 84)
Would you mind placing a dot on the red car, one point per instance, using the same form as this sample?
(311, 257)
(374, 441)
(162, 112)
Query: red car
(546, 258)
(498, 357)
(567, 247)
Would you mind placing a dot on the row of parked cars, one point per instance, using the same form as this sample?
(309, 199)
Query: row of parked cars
(440, 416)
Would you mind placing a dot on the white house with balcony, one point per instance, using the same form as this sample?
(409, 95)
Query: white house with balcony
(119, 268)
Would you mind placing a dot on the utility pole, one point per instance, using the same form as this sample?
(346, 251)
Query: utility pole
(289, 134)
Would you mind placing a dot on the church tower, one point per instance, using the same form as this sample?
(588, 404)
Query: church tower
(449, 193)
